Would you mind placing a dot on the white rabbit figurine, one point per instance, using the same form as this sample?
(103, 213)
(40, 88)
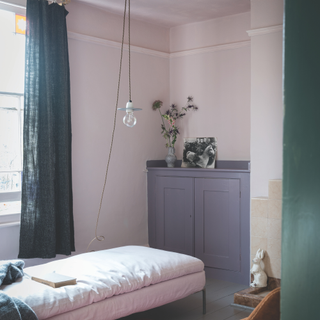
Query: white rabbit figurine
(260, 277)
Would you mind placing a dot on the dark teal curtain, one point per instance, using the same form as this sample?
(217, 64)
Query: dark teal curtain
(47, 210)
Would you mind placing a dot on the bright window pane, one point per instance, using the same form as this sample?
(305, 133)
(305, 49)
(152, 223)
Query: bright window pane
(10, 207)
(10, 140)
(12, 60)
(10, 181)
(7, 21)
(21, 131)
(12, 55)
(10, 101)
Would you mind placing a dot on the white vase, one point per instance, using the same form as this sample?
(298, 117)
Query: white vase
(171, 157)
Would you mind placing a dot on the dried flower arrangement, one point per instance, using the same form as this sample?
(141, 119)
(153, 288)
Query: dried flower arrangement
(171, 115)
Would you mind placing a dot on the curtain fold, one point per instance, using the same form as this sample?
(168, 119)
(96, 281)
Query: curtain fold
(46, 206)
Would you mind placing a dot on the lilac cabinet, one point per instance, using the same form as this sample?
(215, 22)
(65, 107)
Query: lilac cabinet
(203, 213)
(174, 228)
(217, 222)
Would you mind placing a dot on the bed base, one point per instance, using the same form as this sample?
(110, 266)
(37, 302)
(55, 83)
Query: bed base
(204, 301)
(140, 300)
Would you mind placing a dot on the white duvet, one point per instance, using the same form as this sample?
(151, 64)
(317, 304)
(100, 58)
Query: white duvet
(100, 275)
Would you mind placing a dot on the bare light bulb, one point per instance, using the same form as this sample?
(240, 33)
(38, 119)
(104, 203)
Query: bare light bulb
(129, 119)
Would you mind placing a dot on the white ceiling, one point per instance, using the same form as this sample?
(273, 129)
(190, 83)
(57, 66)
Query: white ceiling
(170, 13)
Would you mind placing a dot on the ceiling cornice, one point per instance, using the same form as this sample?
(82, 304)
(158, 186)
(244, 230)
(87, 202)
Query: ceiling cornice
(156, 53)
(265, 30)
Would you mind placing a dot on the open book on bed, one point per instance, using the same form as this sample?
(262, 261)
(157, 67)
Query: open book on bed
(55, 280)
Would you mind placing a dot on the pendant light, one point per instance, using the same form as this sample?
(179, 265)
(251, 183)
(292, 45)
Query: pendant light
(129, 119)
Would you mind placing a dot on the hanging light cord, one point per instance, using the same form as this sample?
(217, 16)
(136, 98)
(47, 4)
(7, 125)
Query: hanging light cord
(101, 238)
(129, 51)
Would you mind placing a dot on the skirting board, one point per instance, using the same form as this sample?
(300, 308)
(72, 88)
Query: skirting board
(226, 275)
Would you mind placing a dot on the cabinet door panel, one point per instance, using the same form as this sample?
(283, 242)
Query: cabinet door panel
(217, 223)
(174, 214)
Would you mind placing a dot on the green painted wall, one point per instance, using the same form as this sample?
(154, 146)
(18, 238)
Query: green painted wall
(300, 275)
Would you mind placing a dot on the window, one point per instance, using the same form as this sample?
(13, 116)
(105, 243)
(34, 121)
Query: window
(12, 59)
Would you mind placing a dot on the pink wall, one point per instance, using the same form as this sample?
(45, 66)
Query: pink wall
(94, 64)
(266, 13)
(88, 20)
(266, 94)
(266, 130)
(215, 69)
(208, 33)
(94, 70)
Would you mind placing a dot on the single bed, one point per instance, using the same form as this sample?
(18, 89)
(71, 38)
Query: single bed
(111, 283)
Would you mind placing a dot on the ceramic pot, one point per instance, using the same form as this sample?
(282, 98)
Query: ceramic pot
(171, 157)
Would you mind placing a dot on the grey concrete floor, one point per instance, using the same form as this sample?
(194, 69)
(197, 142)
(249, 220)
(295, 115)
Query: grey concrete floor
(219, 299)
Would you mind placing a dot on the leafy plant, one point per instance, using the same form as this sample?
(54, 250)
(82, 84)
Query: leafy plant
(169, 128)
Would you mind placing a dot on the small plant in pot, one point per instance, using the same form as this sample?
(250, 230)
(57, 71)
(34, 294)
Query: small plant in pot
(169, 127)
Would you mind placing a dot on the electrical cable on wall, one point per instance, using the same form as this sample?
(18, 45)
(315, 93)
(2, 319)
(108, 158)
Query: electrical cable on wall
(97, 237)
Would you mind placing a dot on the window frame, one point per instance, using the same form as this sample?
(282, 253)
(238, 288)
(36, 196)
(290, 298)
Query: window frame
(10, 219)
(10, 196)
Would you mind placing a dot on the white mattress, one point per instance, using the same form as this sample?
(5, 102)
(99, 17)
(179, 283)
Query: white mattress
(102, 275)
(140, 300)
